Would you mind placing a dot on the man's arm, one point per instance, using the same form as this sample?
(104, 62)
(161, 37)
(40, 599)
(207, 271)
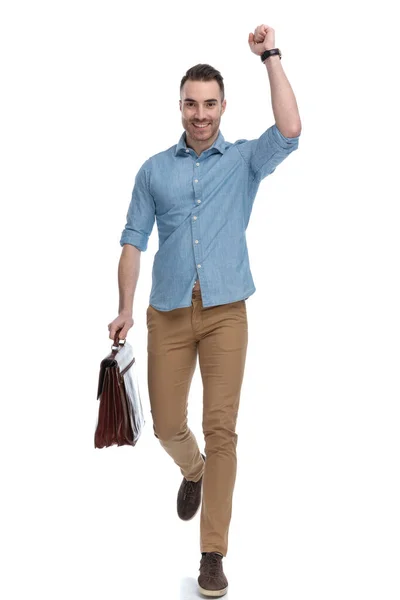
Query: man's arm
(134, 240)
(284, 103)
(128, 275)
(264, 154)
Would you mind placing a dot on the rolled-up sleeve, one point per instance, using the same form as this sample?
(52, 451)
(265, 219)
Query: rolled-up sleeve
(264, 154)
(141, 212)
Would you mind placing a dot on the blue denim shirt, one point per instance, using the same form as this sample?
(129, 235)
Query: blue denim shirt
(202, 205)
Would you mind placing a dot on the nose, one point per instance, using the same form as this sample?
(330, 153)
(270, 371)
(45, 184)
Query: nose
(200, 113)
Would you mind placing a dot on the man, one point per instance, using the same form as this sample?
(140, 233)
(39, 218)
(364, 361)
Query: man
(201, 191)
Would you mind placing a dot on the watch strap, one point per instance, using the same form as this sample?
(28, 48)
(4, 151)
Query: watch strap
(271, 52)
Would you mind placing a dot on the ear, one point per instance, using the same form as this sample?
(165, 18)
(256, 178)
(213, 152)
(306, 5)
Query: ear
(180, 105)
(223, 106)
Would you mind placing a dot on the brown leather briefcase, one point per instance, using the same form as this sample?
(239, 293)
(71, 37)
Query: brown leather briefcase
(120, 419)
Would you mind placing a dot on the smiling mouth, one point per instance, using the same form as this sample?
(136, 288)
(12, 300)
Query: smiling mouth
(201, 126)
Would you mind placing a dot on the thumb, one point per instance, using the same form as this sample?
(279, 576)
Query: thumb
(251, 40)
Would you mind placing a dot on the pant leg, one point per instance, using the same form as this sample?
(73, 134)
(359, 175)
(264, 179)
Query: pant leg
(172, 356)
(222, 355)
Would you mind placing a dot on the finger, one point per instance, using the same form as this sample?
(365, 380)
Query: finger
(267, 30)
(113, 331)
(261, 32)
(251, 40)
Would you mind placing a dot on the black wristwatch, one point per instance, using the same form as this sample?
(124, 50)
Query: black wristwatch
(272, 52)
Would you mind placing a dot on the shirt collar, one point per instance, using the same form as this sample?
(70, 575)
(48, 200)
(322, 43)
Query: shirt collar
(219, 145)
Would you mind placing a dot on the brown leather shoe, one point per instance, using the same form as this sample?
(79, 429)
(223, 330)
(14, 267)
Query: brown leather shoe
(189, 498)
(212, 580)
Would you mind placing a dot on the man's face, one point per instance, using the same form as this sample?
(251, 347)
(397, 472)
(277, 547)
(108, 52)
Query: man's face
(201, 109)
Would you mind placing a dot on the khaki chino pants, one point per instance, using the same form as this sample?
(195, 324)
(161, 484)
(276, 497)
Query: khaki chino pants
(218, 336)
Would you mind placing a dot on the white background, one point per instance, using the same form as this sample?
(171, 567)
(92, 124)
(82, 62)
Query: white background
(90, 90)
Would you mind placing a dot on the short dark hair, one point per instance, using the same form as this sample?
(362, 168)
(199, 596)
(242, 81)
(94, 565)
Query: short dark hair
(203, 72)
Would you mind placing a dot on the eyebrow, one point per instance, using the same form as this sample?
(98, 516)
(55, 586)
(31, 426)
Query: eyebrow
(191, 100)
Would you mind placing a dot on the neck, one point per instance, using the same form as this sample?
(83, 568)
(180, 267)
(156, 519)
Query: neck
(199, 147)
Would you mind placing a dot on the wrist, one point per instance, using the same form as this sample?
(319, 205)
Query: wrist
(271, 60)
(270, 53)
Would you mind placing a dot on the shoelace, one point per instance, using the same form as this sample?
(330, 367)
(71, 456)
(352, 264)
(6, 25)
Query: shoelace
(212, 564)
(190, 489)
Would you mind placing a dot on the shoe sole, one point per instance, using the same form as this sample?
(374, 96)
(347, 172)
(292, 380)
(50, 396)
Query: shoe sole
(213, 593)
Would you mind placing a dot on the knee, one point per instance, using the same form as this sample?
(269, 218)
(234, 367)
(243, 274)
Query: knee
(165, 432)
(220, 425)
(221, 439)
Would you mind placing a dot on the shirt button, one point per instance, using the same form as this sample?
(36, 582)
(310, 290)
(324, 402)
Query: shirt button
(197, 164)
(196, 181)
(196, 241)
(199, 266)
(194, 218)
(187, 150)
(198, 201)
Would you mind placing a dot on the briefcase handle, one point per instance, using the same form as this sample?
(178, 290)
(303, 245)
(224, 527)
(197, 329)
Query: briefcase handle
(117, 343)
